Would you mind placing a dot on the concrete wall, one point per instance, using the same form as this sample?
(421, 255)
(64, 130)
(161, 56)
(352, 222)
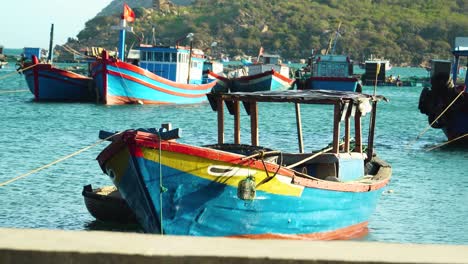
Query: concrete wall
(94, 247)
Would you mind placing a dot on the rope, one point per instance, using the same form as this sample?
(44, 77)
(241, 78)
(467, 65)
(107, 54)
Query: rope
(13, 91)
(18, 71)
(309, 158)
(127, 90)
(57, 161)
(435, 120)
(448, 142)
(162, 189)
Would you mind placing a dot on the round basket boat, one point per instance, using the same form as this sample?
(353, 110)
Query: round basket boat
(107, 205)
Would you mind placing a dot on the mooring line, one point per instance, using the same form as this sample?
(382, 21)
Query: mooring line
(445, 143)
(57, 161)
(14, 91)
(435, 120)
(19, 70)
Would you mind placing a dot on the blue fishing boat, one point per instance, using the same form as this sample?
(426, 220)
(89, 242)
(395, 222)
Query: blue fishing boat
(446, 101)
(330, 72)
(162, 75)
(249, 191)
(266, 74)
(48, 83)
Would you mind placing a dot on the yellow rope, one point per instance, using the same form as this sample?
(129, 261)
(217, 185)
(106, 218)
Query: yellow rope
(13, 91)
(56, 161)
(448, 142)
(20, 70)
(435, 120)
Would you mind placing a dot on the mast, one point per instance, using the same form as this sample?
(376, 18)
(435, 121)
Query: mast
(50, 57)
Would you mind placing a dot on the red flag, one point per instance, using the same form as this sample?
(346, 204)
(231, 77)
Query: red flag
(128, 14)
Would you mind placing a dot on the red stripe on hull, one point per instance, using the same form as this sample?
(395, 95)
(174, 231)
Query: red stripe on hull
(138, 139)
(154, 87)
(148, 74)
(351, 232)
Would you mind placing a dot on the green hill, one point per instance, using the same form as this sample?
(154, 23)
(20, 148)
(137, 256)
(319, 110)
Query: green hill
(404, 31)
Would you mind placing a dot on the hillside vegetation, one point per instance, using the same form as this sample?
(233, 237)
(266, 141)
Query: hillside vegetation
(404, 31)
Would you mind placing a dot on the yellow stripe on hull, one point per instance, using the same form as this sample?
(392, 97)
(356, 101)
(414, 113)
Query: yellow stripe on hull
(233, 174)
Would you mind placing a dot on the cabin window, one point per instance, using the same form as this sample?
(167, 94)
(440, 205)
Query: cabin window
(174, 57)
(143, 55)
(151, 56)
(158, 56)
(167, 57)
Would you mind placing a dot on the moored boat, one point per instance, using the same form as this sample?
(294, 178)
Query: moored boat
(49, 83)
(446, 102)
(329, 72)
(162, 75)
(107, 205)
(270, 80)
(248, 191)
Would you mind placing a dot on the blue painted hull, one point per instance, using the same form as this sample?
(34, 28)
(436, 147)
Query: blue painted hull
(336, 84)
(123, 83)
(193, 204)
(47, 83)
(268, 81)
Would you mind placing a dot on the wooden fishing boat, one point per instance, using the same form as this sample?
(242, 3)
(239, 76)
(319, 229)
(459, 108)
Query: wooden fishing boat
(446, 102)
(107, 205)
(48, 83)
(329, 72)
(162, 75)
(223, 84)
(265, 81)
(247, 191)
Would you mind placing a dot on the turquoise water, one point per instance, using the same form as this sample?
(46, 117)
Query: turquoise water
(426, 201)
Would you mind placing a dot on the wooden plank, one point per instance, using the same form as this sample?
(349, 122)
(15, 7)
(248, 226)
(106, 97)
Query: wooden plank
(254, 123)
(299, 128)
(347, 121)
(336, 128)
(236, 110)
(358, 132)
(370, 143)
(220, 111)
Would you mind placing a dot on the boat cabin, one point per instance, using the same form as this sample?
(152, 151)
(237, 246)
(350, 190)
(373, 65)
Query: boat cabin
(266, 63)
(440, 66)
(460, 50)
(173, 63)
(343, 160)
(332, 66)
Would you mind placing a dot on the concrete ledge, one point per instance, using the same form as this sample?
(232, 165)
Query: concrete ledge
(55, 246)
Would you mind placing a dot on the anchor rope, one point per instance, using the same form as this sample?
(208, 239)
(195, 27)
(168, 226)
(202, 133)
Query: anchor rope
(57, 161)
(18, 71)
(448, 142)
(127, 90)
(14, 91)
(435, 120)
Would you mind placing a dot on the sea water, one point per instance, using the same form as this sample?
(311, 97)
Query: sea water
(425, 202)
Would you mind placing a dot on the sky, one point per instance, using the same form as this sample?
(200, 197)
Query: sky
(26, 23)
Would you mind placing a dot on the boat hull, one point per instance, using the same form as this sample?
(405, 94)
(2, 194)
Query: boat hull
(267, 81)
(333, 83)
(124, 83)
(187, 190)
(48, 83)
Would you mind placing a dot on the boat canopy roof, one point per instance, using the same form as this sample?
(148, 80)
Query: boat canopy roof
(300, 96)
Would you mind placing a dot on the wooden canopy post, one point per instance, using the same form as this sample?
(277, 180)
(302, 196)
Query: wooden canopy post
(237, 137)
(220, 111)
(347, 135)
(254, 123)
(370, 143)
(358, 132)
(299, 128)
(336, 129)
